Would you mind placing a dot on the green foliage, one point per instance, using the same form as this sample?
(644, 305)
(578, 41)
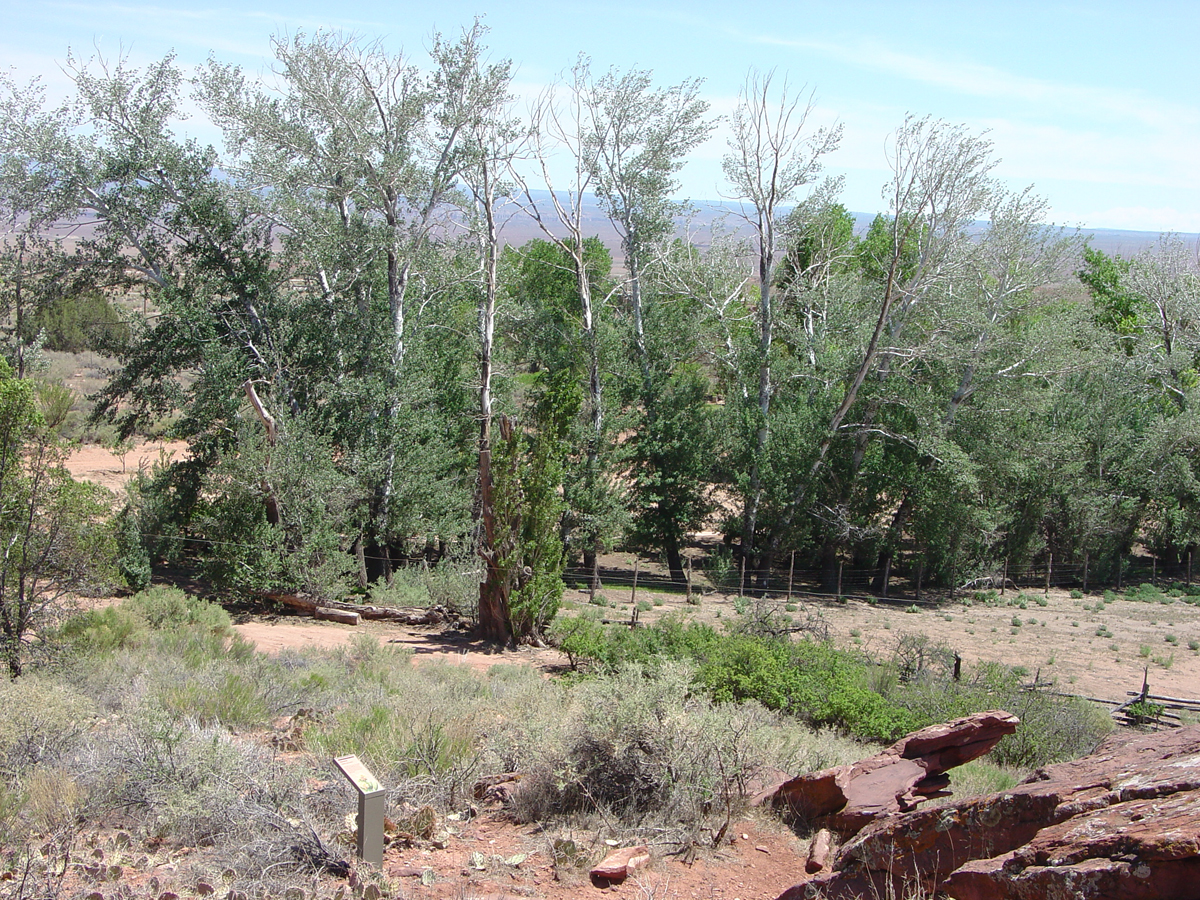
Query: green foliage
(164, 617)
(581, 638)
(526, 475)
(1053, 728)
(54, 528)
(74, 324)
(133, 562)
(1117, 309)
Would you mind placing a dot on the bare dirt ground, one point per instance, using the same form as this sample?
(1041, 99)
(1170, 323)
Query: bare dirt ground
(112, 469)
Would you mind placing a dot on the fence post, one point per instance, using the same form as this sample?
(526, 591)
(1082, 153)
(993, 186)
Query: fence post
(689, 581)
(1085, 572)
(742, 578)
(887, 574)
(633, 594)
(1119, 567)
(920, 572)
(1004, 577)
(791, 574)
(1189, 572)
(1049, 569)
(839, 592)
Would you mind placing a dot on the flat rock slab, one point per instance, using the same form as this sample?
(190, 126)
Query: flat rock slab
(617, 866)
(1122, 823)
(847, 798)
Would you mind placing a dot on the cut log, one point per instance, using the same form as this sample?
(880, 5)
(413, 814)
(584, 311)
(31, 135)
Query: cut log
(341, 616)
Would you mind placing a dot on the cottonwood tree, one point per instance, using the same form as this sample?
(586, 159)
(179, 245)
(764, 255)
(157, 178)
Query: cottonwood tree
(357, 155)
(642, 136)
(561, 125)
(518, 539)
(773, 156)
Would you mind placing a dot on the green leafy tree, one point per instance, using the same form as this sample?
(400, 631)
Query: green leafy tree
(52, 529)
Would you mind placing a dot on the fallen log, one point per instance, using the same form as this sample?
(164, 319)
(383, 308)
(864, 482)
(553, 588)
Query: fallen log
(341, 616)
(435, 615)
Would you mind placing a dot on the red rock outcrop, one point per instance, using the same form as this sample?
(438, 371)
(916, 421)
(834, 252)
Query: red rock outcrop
(846, 798)
(1123, 822)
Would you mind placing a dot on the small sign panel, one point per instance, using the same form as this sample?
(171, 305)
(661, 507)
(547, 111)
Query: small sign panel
(353, 768)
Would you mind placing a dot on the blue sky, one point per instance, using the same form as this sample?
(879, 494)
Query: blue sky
(1094, 103)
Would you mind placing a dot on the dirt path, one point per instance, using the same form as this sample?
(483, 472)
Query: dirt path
(272, 634)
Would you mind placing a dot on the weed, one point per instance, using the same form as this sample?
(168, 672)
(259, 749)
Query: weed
(1076, 594)
(913, 609)
(1194, 646)
(1171, 639)
(1144, 651)
(1165, 661)
(1016, 621)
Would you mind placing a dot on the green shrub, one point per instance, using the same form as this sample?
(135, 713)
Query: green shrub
(41, 721)
(1076, 594)
(580, 638)
(77, 323)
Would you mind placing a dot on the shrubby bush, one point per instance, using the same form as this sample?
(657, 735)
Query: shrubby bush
(824, 686)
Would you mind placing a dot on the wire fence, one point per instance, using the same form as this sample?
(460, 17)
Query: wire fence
(1127, 571)
(870, 582)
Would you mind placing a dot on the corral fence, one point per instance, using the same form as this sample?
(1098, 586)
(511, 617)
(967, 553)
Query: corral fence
(870, 583)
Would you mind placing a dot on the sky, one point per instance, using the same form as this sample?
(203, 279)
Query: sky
(1095, 103)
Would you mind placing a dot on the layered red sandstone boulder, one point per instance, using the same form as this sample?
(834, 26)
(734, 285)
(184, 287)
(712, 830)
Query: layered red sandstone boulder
(846, 798)
(1123, 822)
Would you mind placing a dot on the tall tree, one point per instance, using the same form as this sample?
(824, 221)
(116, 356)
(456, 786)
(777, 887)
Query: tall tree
(772, 158)
(561, 123)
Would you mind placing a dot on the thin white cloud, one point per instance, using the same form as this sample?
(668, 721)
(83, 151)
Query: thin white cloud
(980, 80)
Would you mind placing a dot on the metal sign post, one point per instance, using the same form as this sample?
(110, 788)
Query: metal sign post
(372, 798)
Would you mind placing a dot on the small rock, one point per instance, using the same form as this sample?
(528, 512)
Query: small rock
(818, 852)
(617, 866)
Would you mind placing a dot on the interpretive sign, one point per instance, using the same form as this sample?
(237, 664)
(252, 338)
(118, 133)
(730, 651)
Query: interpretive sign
(371, 801)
